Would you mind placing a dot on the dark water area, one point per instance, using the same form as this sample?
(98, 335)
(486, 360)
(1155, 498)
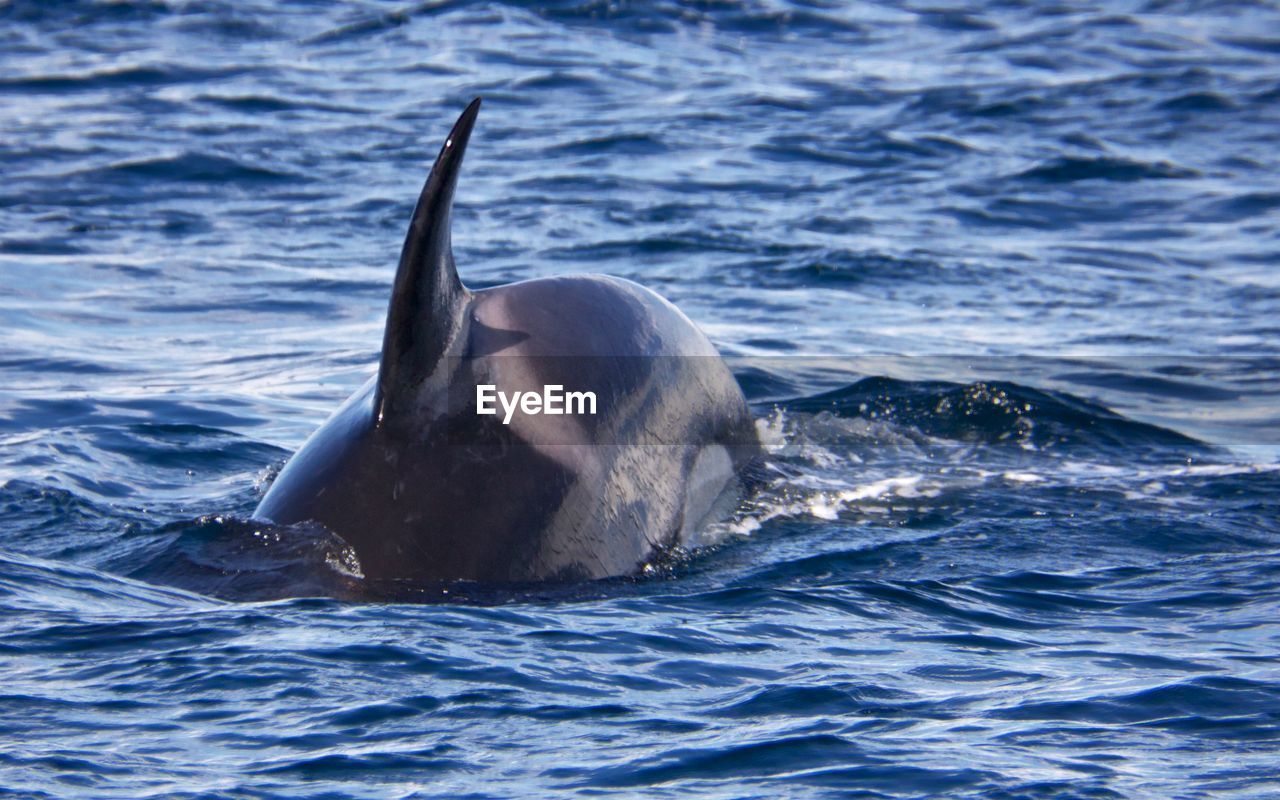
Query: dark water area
(1000, 282)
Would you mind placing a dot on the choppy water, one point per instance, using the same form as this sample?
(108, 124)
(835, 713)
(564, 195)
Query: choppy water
(1002, 284)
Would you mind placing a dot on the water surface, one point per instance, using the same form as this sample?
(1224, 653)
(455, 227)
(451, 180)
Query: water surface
(1000, 283)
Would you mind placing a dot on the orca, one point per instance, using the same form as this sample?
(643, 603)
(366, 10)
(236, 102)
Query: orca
(425, 484)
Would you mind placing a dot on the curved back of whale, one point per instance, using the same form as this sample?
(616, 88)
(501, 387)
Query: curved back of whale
(423, 317)
(425, 487)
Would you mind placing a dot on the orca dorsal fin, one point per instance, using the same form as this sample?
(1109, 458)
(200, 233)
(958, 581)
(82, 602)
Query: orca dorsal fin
(427, 299)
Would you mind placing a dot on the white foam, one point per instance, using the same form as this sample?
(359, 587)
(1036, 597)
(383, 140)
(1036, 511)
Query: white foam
(1022, 477)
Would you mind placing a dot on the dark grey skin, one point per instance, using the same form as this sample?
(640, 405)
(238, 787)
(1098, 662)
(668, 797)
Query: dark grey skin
(424, 489)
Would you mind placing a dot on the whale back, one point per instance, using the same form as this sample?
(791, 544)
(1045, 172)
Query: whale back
(425, 488)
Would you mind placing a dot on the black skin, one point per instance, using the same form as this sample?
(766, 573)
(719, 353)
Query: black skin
(426, 490)
(451, 495)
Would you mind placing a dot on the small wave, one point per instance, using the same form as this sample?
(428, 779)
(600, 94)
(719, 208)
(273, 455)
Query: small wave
(33, 584)
(188, 167)
(1068, 170)
(745, 19)
(70, 366)
(247, 560)
(992, 413)
(1257, 44)
(807, 701)
(140, 76)
(367, 765)
(373, 24)
(875, 150)
(1215, 707)
(52, 246)
(85, 12)
(1198, 102)
(166, 413)
(771, 757)
(260, 103)
(843, 267)
(620, 143)
(1152, 385)
(1240, 207)
(686, 242)
(567, 80)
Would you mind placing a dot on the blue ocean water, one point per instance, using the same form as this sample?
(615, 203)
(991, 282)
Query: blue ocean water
(1000, 282)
